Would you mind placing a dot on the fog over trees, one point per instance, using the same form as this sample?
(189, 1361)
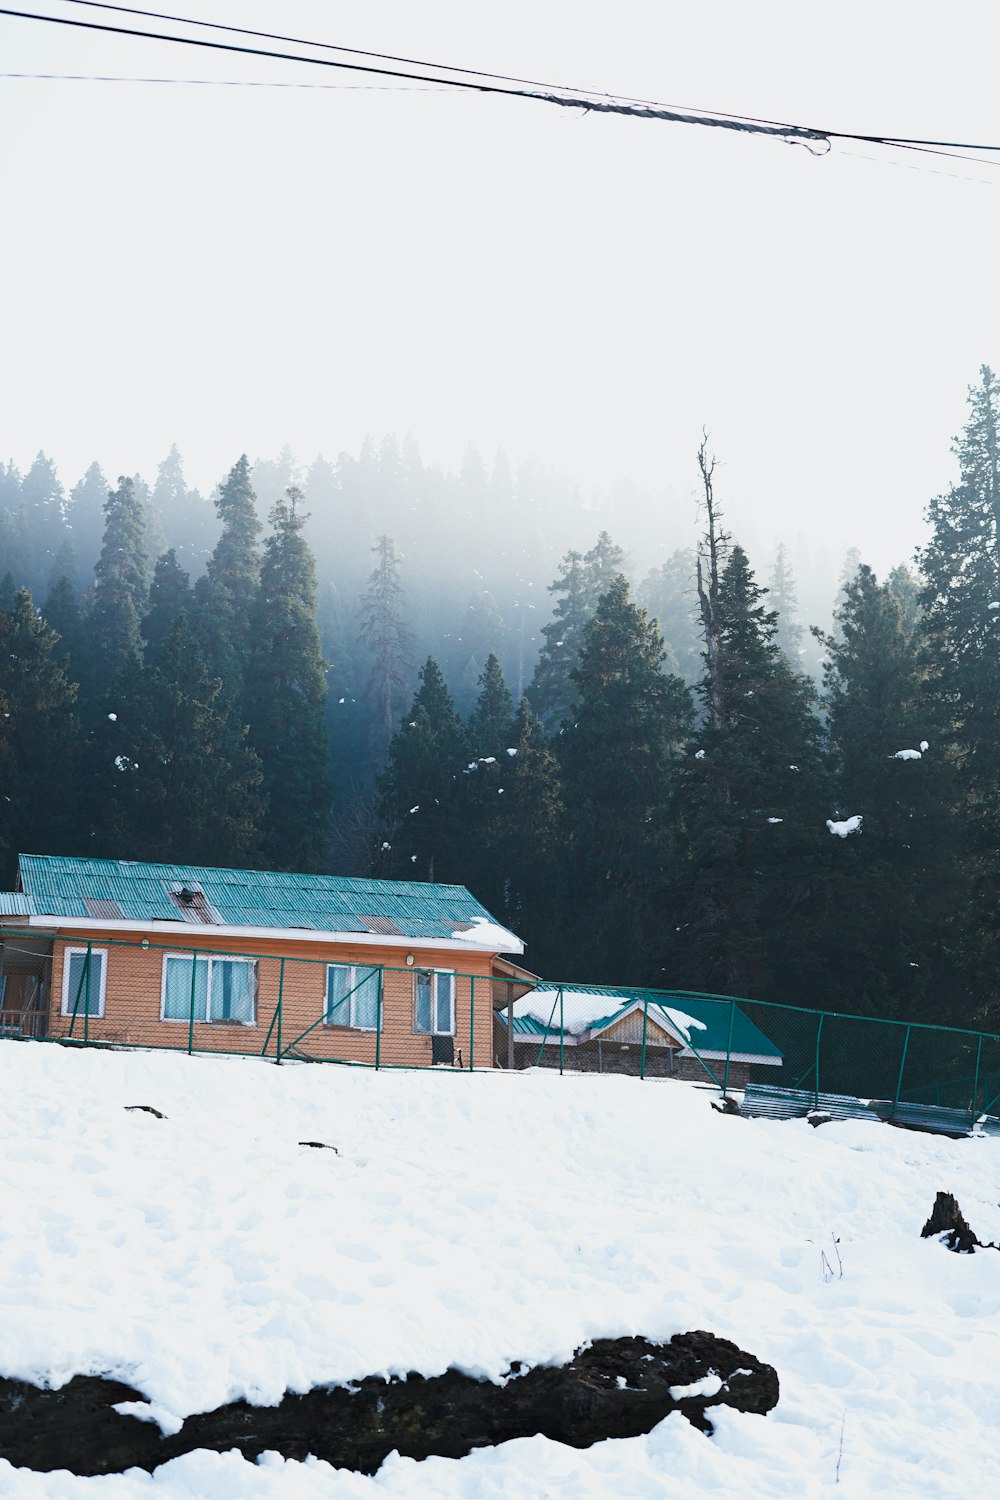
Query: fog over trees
(650, 766)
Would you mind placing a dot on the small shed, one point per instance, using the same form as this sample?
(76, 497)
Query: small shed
(603, 1032)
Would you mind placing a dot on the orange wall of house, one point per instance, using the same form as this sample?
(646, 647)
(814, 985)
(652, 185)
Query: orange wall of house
(134, 988)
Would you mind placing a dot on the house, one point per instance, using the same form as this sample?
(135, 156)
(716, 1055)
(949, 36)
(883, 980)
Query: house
(603, 1032)
(314, 966)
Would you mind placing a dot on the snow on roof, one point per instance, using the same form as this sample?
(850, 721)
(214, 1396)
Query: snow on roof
(907, 755)
(703, 1024)
(483, 932)
(593, 1011)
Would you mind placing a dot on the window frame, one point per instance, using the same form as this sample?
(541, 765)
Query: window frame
(66, 1008)
(434, 1029)
(352, 1024)
(207, 1019)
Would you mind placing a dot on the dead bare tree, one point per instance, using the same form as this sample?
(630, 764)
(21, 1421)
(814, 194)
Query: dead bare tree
(712, 549)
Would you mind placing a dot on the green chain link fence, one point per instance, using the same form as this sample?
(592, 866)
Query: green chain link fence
(782, 1059)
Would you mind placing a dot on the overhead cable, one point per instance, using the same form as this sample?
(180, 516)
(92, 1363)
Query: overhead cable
(486, 83)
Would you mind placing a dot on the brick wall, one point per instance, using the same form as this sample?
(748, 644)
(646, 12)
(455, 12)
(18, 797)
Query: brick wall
(614, 1058)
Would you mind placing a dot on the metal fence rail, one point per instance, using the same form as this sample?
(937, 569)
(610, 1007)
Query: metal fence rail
(122, 993)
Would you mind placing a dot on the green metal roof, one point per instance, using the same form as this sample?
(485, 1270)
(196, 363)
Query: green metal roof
(59, 886)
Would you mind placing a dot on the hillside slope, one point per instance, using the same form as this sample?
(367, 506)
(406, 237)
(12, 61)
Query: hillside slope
(476, 1221)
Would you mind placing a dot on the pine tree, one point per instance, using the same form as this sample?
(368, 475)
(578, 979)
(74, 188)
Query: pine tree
(526, 852)
(892, 890)
(489, 725)
(784, 602)
(186, 518)
(15, 545)
(272, 478)
(848, 572)
(481, 634)
(419, 797)
(40, 739)
(583, 579)
(85, 517)
(225, 597)
(64, 565)
(961, 634)
(177, 780)
(10, 486)
(169, 596)
(907, 586)
(120, 592)
(604, 562)
(669, 596)
(490, 738)
(41, 499)
(617, 756)
(550, 690)
(62, 613)
(746, 896)
(389, 644)
(287, 696)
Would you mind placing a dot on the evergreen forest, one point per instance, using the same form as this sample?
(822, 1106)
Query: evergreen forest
(664, 777)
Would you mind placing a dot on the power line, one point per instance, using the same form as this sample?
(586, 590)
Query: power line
(597, 102)
(413, 62)
(226, 83)
(534, 83)
(490, 83)
(402, 88)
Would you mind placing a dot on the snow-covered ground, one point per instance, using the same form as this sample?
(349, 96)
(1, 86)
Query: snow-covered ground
(474, 1221)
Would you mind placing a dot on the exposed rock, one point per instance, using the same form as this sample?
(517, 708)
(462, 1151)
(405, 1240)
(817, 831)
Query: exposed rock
(146, 1108)
(320, 1146)
(613, 1388)
(948, 1220)
(726, 1104)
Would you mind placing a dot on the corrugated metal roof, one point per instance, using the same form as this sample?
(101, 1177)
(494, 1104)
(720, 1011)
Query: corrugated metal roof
(60, 886)
(714, 1017)
(13, 904)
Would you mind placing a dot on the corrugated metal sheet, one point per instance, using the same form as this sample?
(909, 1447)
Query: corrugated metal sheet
(101, 908)
(13, 904)
(61, 886)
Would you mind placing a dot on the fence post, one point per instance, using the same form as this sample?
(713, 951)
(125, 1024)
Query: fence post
(902, 1065)
(729, 1049)
(562, 1029)
(819, 1033)
(86, 1003)
(545, 1035)
(281, 995)
(378, 1019)
(472, 1019)
(645, 1018)
(194, 976)
(975, 1085)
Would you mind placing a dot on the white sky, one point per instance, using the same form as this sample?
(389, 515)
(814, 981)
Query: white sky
(234, 269)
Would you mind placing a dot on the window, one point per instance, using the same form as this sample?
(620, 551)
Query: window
(435, 1006)
(352, 997)
(77, 984)
(223, 989)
